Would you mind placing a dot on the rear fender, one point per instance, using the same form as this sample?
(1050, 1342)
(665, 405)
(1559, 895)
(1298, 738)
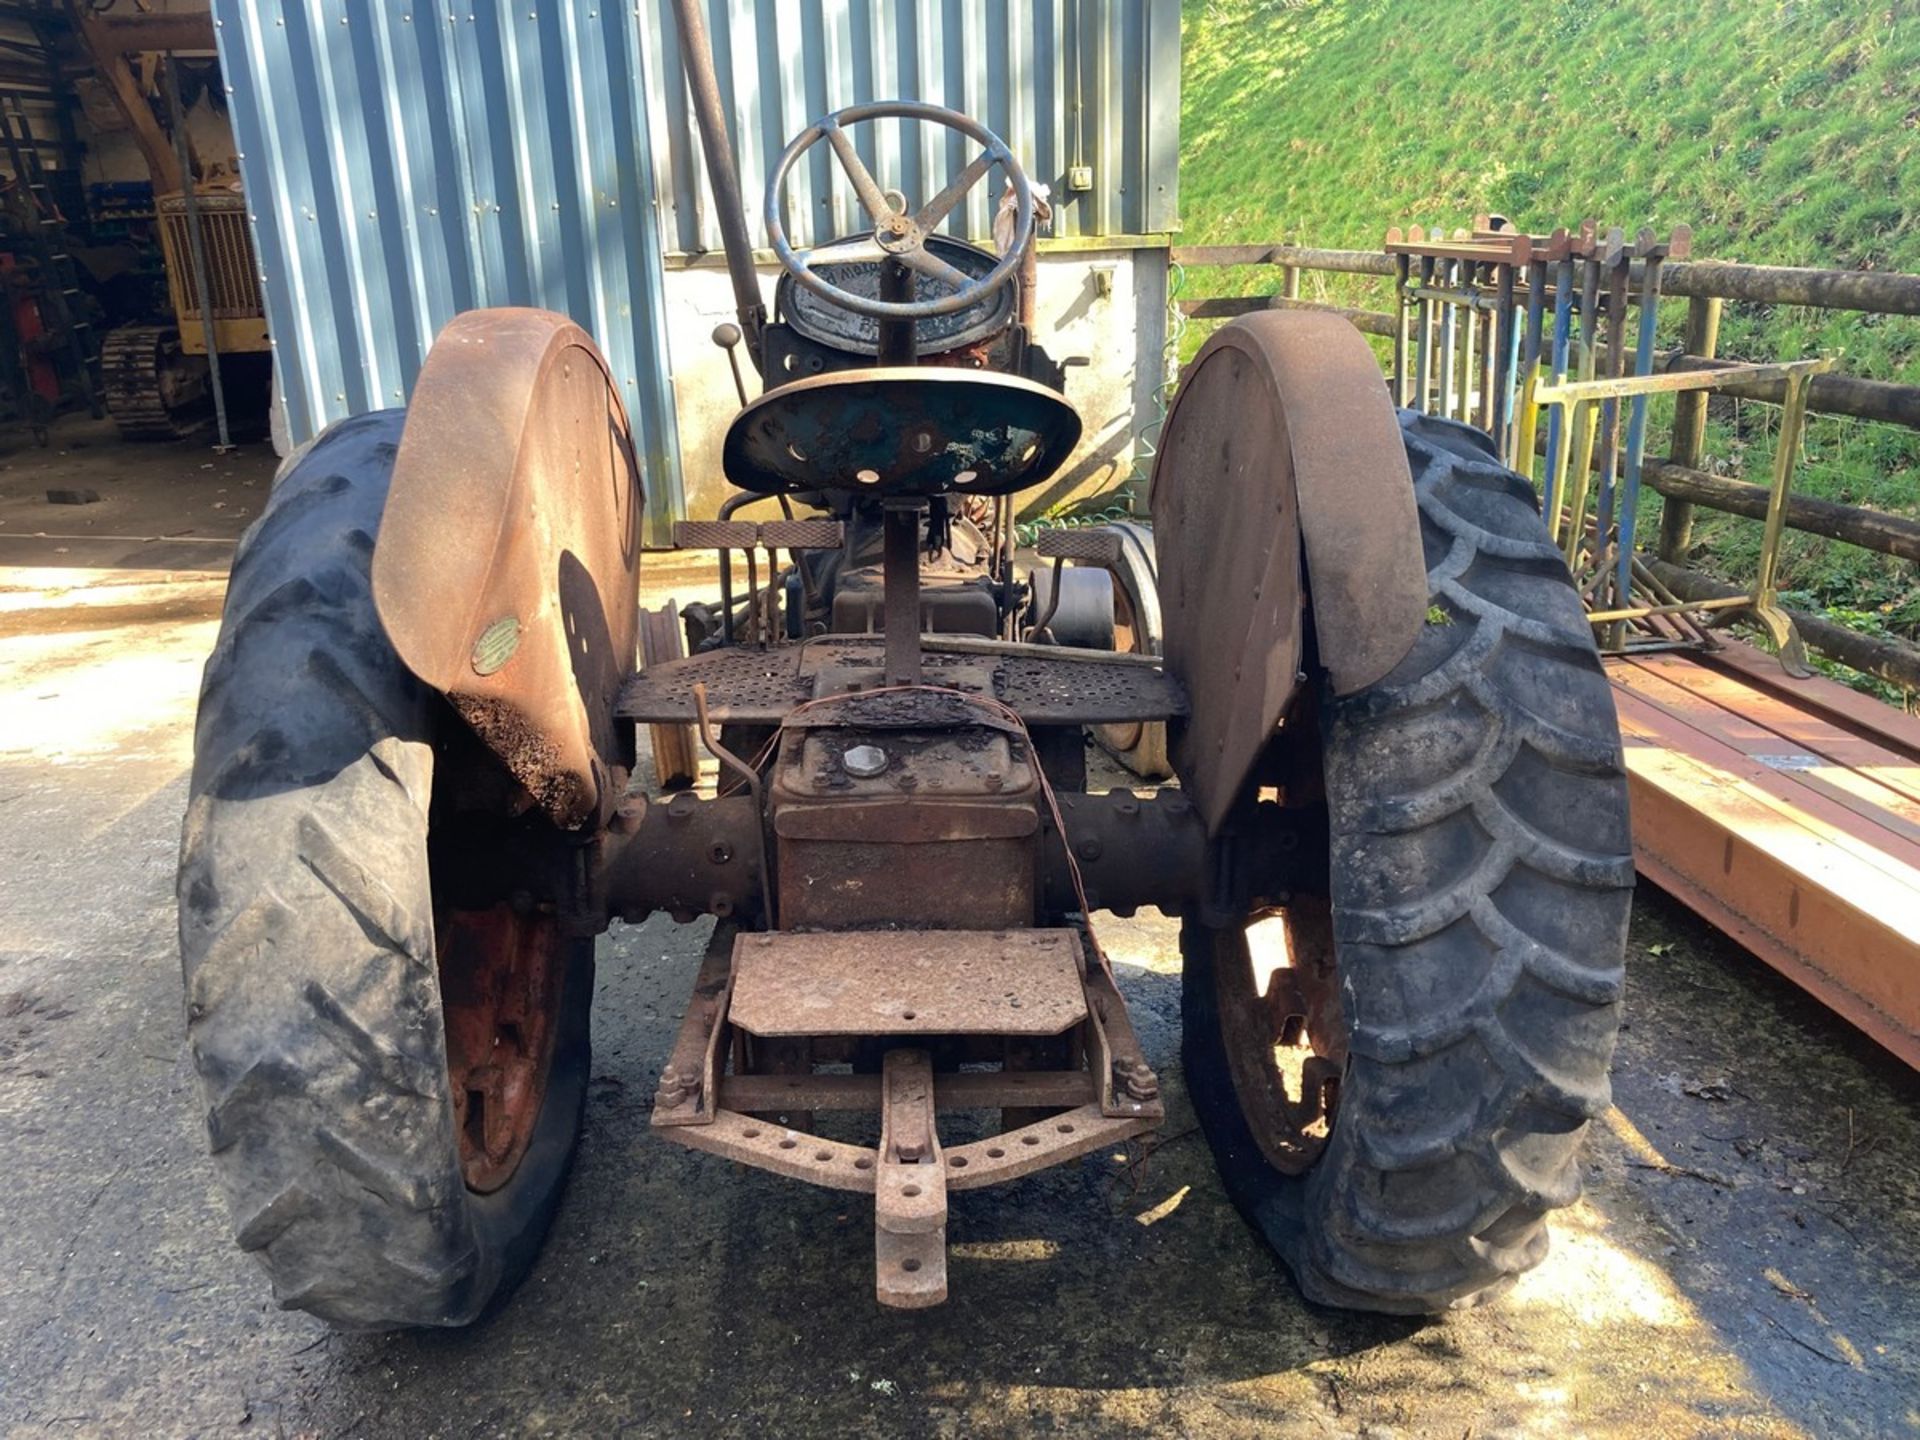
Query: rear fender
(1282, 452)
(507, 567)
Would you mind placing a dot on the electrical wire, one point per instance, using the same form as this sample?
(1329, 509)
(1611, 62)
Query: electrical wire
(1146, 440)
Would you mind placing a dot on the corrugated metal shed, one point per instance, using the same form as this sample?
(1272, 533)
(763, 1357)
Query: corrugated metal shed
(1064, 82)
(410, 159)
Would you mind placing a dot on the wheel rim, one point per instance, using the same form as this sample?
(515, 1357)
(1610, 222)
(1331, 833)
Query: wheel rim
(501, 977)
(1278, 992)
(1277, 984)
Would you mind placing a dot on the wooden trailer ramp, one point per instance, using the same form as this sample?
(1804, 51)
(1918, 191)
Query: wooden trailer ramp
(1787, 813)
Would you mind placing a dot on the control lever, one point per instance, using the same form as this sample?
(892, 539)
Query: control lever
(727, 336)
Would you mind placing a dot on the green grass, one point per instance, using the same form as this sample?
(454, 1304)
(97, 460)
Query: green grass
(1784, 131)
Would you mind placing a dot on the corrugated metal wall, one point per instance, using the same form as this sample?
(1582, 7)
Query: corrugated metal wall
(410, 159)
(1064, 82)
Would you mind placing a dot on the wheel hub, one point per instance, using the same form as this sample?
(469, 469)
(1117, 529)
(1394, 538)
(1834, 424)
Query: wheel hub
(1279, 1003)
(501, 974)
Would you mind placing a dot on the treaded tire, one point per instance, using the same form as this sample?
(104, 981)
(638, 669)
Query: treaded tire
(1481, 876)
(314, 1009)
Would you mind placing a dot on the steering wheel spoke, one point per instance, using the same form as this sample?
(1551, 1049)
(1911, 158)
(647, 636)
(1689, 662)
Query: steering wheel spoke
(905, 236)
(847, 252)
(930, 264)
(934, 213)
(864, 185)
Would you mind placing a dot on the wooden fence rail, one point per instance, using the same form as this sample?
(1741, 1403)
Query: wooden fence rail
(1879, 292)
(1706, 285)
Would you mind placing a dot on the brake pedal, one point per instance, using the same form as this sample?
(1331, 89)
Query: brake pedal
(1084, 544)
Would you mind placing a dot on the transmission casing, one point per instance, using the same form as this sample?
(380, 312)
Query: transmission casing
(944, 836)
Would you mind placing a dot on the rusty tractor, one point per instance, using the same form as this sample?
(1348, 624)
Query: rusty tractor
(1397, 845)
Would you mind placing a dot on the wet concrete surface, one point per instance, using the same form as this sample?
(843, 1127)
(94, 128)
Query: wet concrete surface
(1745, 1262)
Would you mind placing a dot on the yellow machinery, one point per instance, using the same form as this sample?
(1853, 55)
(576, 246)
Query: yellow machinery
(157, 377)
(161, 381)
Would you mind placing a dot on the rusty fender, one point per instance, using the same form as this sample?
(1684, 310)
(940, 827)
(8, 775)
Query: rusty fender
(1282, 484)
(507, 567)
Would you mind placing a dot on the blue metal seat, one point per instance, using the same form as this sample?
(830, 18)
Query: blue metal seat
(902, 432)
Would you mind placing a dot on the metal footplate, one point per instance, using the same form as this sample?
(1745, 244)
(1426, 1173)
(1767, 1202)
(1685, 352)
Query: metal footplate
(1089, 545)
(767, 534)
(769, 1008)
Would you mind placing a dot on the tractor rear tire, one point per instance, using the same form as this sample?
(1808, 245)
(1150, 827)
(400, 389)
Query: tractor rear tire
(320, 972)
(1464, 960)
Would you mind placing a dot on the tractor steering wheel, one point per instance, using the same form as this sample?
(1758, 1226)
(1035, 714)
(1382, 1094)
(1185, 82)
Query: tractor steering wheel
(897, 234)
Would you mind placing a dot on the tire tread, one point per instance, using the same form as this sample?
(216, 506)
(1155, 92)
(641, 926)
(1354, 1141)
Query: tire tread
(1486, 520)
(313, 1004)
(1459, 1120)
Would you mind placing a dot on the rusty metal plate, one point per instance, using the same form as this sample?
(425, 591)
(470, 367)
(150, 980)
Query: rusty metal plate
(1282, 443)
(907, 982)
(857, 699)
(749, 686)
(895, 431)
(507, 568)
(962, 1090)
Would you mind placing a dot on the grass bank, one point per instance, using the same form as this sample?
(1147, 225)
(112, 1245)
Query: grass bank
(1784, 131)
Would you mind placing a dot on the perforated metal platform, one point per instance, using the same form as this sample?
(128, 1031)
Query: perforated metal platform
(747, 686)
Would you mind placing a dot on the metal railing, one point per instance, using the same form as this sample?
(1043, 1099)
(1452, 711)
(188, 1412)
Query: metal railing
(1677, 476)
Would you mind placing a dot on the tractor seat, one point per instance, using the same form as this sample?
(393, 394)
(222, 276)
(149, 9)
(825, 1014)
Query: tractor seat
(901, 431)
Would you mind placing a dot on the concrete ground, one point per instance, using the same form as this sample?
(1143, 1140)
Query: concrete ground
(155, 509)
(1746, 1260)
